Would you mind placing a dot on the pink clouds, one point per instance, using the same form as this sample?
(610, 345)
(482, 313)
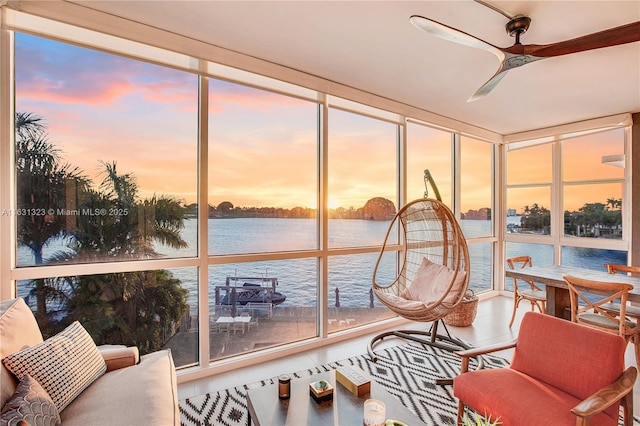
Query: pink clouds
(91, 93)
(64, 74)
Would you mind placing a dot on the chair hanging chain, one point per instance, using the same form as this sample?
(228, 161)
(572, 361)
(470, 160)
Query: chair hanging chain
(429, 179)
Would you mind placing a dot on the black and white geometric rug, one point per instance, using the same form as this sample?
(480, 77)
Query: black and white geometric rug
(407, 371)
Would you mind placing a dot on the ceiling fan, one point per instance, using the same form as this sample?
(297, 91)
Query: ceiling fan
(522, 54)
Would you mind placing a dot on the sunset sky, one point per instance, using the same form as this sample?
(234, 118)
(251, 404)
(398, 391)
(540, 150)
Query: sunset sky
(263, 146)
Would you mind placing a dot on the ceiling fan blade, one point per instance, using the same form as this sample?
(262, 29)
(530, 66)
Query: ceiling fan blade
(448, 33)
(489, 85)
(510, 61)
(628, 33)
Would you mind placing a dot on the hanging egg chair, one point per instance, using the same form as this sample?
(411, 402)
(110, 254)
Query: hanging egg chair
(433, 275)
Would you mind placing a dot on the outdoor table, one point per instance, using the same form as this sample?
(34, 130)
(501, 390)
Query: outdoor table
(243, 320)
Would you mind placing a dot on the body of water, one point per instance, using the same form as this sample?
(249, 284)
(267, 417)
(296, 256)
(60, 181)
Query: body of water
(351, 275)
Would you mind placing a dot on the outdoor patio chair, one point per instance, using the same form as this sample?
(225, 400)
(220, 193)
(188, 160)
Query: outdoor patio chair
(238, 326)
(588, 307)
(561, 373)
(534, 294)
(253, 323)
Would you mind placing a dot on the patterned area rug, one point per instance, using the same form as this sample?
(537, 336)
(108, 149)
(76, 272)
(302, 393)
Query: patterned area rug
(407, 371)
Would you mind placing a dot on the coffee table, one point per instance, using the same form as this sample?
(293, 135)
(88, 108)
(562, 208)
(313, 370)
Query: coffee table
(266, 409)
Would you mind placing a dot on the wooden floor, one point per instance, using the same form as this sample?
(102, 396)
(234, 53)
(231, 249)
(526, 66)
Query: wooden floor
(490, 326)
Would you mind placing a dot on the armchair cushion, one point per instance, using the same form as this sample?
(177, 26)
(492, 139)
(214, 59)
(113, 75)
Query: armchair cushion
(556, 365)
(400, 302)
(533, 403)
(573, 358)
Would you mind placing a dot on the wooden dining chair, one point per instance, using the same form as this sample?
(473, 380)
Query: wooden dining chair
(534, 294)
(588, 307)
(614, 268)
(631, 311)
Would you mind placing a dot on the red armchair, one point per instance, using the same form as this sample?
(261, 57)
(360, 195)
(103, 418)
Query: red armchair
(561, 373)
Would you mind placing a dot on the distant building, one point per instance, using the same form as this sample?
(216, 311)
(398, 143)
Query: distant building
(481, 214)
(511, 212)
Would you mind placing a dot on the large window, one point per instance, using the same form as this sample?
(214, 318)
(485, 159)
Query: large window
(169, 201)
(476, 206)
(362, 200)
(431, 149)
(476, 195)
(529, 177)
(593, 185)
(262, 198)
(566, 199)
(106, 158)
(107, 162)
(105, 153)
(363, 178)
(263, 171)
(243, 319)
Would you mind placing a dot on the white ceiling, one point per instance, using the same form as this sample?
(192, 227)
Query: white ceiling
(370, 45)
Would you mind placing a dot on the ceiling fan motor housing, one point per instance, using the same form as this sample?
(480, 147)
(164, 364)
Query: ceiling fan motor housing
(517, 26)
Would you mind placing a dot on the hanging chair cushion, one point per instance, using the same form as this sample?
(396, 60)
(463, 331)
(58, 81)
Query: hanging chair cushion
(400, 302)
(432, 282)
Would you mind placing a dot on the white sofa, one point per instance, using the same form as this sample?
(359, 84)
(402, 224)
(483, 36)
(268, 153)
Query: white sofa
(133, 391)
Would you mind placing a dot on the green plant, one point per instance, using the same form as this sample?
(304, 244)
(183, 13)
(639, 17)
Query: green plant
(478, 420)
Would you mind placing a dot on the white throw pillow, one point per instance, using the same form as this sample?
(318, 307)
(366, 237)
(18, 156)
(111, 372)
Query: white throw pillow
(64, 364)
(432, 281)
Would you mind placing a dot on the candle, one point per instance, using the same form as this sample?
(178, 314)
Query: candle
(374, 413)
(284, 386)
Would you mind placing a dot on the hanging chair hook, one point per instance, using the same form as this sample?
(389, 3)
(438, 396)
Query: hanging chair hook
(429, 179)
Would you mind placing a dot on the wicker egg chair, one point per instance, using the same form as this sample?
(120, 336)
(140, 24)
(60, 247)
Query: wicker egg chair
(427, 230)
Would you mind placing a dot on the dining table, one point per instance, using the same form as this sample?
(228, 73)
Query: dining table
(558, 299)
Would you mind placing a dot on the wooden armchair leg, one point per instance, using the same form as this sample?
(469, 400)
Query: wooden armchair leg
(627, 409)
(461, 413)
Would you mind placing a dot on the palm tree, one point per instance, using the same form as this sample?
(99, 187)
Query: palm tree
(137, 308)
(134, 308)
(44, 186)
(535, 217)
